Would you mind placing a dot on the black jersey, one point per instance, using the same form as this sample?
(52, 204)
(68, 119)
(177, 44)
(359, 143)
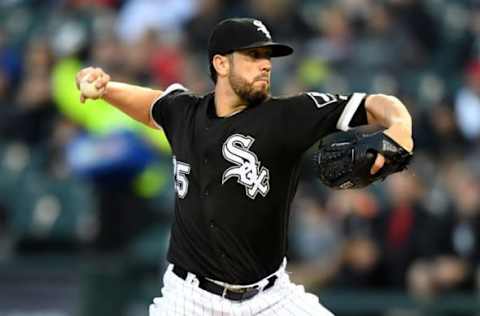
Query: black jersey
(236, 176)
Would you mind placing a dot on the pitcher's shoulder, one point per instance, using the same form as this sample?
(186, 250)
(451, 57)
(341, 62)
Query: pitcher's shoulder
(289, 99)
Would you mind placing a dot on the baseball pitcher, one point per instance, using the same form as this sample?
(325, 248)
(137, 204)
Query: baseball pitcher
(236, 154)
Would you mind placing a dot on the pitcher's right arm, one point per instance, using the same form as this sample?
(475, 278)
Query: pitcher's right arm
(135, 101)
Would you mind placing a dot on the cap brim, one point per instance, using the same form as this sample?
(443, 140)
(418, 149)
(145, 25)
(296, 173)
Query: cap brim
(278, 50)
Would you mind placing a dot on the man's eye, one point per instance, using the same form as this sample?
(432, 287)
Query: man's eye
(258, 55)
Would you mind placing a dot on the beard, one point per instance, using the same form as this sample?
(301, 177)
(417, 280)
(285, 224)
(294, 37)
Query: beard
(246, 90)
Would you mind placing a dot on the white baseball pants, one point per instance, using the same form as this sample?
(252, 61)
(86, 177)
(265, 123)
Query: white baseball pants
(184, 298)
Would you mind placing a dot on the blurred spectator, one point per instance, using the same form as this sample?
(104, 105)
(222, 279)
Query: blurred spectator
(454, 252)
(107, 52)
(328, 54)
(32, 106)
(467, 103)
(35, 109)
(138, 56)
(136, 17)
(436, 129)
(93, 3)
(208, 14)
(375, 60)
(315, 240)
(418, 22)
(38, 57)
(5, 94)
(3, 229)
(357, 212)
(334, 41)
(377, 46)
(10, 59)
(167, 63)
(283, 17)
(402, 228)
(381, 239)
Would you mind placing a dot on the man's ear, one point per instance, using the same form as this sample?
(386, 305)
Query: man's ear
(221, 65)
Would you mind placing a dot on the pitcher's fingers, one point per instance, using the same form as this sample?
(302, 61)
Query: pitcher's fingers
(378, 164)
(79, 77)
(97, 73)
(102, 81)
(82, 73)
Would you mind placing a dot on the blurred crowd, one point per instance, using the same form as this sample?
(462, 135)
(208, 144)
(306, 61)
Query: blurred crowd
(70, 183)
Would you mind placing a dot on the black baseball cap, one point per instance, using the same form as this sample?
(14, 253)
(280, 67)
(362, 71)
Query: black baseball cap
(241, 33)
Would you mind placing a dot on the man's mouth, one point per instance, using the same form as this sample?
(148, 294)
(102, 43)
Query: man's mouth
(262, 79)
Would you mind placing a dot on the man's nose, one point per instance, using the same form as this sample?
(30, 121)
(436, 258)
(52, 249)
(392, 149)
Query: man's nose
(266, 65)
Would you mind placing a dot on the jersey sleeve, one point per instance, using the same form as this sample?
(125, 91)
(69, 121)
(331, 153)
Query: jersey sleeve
(167, 108)
(312, 115)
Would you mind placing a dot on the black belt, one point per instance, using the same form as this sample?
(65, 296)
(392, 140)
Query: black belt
(231, 294)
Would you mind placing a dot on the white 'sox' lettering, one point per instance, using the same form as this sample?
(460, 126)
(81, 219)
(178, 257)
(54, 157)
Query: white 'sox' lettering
(247, 169)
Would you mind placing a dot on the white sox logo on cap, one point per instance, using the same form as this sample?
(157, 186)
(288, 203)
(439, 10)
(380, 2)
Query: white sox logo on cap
(262, 28)
(248, 170)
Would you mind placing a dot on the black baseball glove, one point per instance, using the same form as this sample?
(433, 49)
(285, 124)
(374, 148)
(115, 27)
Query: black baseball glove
(344, 159)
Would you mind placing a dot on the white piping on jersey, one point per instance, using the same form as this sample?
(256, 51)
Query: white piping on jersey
(349, 111)
(326, 97)
(170, 88)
